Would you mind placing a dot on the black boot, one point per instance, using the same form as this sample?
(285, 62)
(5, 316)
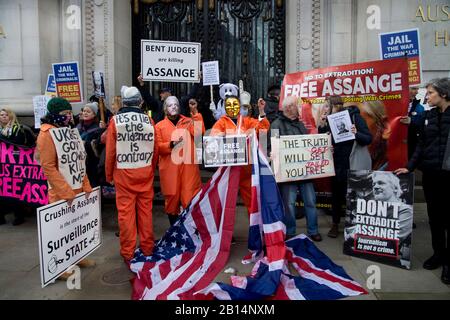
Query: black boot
(445, 274)
(2, 219)
(434, 262)
(18, 218)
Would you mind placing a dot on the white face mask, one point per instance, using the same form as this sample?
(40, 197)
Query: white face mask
(244, 112)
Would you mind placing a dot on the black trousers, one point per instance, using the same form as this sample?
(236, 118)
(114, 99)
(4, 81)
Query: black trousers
(435, 188)
(338, 197)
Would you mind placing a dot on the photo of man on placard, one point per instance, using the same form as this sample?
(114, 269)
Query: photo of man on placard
(341, 128)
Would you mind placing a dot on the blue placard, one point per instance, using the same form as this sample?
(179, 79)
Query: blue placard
(66, 72)
(400, 44)
(51, 84)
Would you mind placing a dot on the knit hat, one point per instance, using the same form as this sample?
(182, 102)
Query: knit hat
(131, 96)
(93, 106)
(56, 105)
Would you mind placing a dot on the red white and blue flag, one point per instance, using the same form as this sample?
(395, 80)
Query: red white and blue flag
(193, 251)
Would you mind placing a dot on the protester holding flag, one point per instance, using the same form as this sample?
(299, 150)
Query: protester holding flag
(431, 157)
(59, 186)
(341, 156)
(233, 123)
(180, 179)
(287, 124)
(130, 165)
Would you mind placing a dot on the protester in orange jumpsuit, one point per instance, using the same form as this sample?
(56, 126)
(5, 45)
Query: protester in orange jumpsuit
(59, 115)
(179, 172)
(130, 163)
(233, 123)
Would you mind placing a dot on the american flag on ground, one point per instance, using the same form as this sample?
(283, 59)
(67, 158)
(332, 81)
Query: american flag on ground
(196, 249)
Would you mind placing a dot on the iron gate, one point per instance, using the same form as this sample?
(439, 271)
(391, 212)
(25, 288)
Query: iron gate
(246, 37)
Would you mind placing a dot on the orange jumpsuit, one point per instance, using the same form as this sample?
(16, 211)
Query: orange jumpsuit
(59, 189)
(134, 197)
(226, 126)
(180, 180)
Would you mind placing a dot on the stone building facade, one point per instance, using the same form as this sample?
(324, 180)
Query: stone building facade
(98, 33)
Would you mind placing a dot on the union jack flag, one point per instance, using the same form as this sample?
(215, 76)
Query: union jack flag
(193, 251)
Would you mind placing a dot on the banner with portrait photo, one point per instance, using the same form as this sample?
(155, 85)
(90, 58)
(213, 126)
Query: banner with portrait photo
(379, 217)
(380, 89)
(230, 150)
(22, 179)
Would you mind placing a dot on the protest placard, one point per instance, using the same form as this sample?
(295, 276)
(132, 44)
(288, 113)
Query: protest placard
(210, 73)
(378, 225)
(404, 43)
(135, 140)
(50, 88)
(222, 151)
(170, 61)
(301, 157)
(40, 109)
(71, 155)
(68, 83)
(21, 177)
(99, 84)
(68, 234)
(341, 125)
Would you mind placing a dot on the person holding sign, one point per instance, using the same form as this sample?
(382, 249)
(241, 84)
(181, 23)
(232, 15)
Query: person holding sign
(232, 123)
(61, 154)
(178, 170)
(287, 124)
(431, 157)
(341, 156)
(130, 165)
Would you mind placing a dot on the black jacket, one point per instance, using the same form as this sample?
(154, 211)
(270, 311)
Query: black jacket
(272, 109)
(430, 150)
(342, 150)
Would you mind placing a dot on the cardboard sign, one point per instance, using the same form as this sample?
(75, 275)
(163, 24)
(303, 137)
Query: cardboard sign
(405, 43)
(222, 151)
(170, 61)
(68, 234)
(50, 88)
(21, 177)
(40, 109)
(302, 157)
(135, 140)
(99, 84)
(341, 126)
(68, 83)
(71, 155)
(379, 218)
(210, 73)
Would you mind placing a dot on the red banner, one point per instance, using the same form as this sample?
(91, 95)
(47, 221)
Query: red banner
(380, 89)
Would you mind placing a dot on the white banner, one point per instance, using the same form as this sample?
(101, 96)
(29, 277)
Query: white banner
(222, 151)
(341, 126)
(40, 109)
(210, 73)
(135, 140)
(302, 157)
(170, 61)
(68, 234)
(71, 155)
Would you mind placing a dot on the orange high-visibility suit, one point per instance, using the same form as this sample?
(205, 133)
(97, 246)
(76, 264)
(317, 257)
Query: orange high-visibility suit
(226, 126)
(134, 197)
(59, 189)
(179, 173)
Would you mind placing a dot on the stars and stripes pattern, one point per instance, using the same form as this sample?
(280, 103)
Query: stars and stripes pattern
(318, 277)
(196, 248)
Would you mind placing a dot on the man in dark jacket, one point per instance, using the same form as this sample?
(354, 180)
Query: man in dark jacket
(272, 101)
(288, 123)
(341, 157)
